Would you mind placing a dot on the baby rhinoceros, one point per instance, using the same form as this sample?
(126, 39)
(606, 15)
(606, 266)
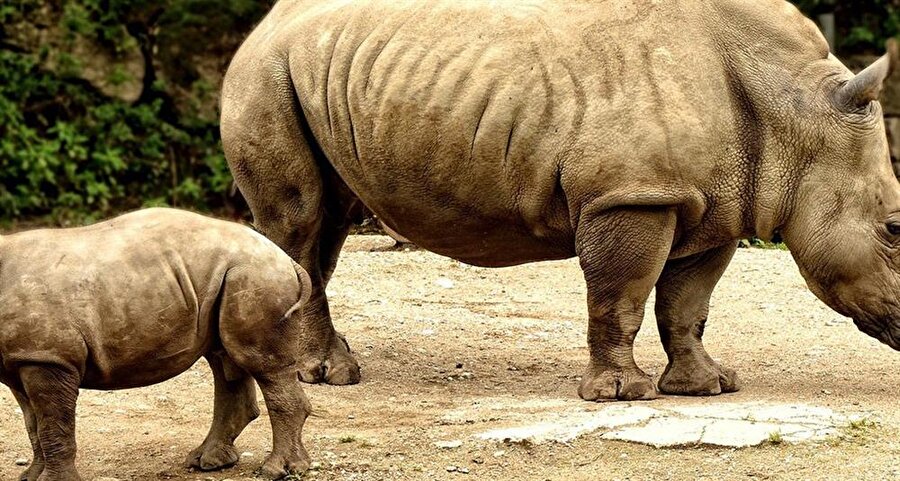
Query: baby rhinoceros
(137, 300)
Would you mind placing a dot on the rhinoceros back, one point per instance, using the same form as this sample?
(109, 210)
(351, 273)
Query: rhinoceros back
(503, 118)
(90, 287)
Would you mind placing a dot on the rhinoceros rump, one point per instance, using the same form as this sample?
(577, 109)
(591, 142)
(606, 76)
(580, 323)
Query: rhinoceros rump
(137, 300)
(643, 137)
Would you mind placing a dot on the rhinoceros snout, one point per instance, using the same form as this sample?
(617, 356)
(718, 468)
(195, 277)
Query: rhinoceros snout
(888, 332)
(892, 337)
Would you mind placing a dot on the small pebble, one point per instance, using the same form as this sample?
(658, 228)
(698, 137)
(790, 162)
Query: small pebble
(448, 444)
(462, 470)
(444, 282)
(246, 454)
(451, 469)
(21, 462)
(315, 465)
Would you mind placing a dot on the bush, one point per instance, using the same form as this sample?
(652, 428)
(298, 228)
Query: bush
(70, 153)
(863, 26)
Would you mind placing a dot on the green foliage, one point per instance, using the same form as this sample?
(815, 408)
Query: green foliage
(777, 244)
(67, 151)
(863, 25)
(71, 153)
(862, 424)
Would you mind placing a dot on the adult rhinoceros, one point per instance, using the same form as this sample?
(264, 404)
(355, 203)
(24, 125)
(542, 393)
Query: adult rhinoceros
(642, 136)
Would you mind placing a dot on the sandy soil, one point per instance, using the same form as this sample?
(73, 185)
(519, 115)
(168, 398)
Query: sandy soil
(444, 363)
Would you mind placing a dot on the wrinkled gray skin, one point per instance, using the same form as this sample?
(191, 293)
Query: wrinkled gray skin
(643, 137)
(137, 300)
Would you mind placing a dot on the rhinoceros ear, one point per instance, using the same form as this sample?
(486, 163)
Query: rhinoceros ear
(866, 86)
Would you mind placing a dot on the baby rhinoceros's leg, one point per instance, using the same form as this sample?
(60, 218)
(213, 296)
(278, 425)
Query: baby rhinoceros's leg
(682, 304)
(263, 342)
(37, 462)
(233, 409)
(288, 409)
(53, 392)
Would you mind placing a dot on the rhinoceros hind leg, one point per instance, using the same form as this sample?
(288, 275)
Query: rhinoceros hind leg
(328, 357)
(297, 199)
(234, 408)
(682, 305)
(53, 392)
(622, 253)
(37, 461)
(288, 409)
(261, 343)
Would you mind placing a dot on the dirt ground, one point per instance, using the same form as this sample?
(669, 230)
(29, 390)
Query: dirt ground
(449, 351)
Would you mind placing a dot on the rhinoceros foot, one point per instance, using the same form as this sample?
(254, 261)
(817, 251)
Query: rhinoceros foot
(699, 376)
(278, 466)
(336, 366)
(212, 456)
(33, 472)
(602, 384)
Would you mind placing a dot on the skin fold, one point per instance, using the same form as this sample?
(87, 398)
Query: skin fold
(643, 137)
(137, 300)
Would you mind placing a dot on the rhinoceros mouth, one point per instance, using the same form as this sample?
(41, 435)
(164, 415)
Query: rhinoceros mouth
(889, 334)
(891, 337)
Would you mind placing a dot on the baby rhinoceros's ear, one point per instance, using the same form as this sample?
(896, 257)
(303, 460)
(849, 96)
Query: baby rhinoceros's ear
(866, 86)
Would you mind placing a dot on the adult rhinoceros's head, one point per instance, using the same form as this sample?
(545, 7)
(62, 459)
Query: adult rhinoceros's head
(844, 228)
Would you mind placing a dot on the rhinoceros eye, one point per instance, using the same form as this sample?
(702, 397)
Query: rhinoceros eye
(893, 227)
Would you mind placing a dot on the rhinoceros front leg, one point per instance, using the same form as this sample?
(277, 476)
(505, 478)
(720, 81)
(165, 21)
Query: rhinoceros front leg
(53, 392)
(234, 408)
(37, 461)
(682, 305)
(622, 253)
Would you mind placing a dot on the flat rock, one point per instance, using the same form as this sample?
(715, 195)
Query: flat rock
(569, 426)
(448, 444)
(662, 431)
(722, 424)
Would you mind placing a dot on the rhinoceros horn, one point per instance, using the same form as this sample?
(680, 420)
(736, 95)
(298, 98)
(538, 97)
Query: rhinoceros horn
(866, 86)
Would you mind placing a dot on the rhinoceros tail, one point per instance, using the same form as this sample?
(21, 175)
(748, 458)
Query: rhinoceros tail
(305, 290)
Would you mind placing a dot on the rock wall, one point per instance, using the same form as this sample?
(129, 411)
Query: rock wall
(178, 48)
